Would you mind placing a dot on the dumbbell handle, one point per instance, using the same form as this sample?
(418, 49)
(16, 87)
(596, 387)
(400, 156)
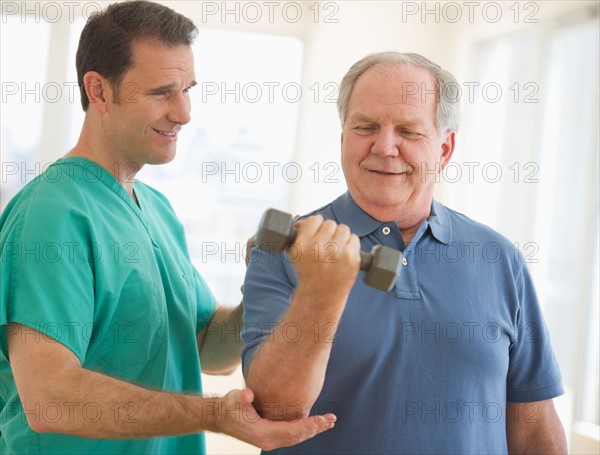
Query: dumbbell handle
(366, 259)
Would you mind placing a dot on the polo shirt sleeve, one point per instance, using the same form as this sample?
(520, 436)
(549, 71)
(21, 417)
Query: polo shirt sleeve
(205, 302)
(533, 373)
(268, 286)
(47, 267)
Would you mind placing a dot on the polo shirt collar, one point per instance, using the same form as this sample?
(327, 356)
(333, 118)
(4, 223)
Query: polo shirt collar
(348, 212)
(439, 222)
(361, 223)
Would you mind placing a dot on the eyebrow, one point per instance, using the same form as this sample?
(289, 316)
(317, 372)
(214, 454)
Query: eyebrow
(411, 122)
(361, 118)
(168, 87)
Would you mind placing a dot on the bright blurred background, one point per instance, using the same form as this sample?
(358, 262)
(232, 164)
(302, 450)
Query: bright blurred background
(265, 133)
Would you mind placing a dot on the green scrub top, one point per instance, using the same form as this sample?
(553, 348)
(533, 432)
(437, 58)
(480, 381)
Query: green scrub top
(113, 282)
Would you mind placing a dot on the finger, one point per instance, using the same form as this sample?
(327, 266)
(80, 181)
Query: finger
(326, 231)
(323, 420)
(249, 245)
(342, 235)
(354, 242)
(307, 428)
(247, 396)
(307, 229)
(321, 424)
(283, 434)
(310, 225)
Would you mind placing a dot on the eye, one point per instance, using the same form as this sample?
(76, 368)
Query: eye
(410, 134)
(187, 89)
(365, 128)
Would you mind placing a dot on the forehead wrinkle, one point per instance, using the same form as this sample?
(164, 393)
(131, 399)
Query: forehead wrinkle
(171, 76)
(381, 91)
(409, 77)
(179, 68)
(391, 70)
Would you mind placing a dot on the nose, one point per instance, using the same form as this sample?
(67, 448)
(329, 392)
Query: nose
(180, 108)
(386, 143)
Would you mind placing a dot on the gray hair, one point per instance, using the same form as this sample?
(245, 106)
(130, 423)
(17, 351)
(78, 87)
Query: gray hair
(447, 88)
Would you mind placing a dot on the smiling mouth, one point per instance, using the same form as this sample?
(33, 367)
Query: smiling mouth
(387, 173)
(166, 133)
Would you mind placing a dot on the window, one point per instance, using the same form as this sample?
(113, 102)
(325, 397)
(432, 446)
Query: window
(234, 159)
(538, 119)
(25, 88)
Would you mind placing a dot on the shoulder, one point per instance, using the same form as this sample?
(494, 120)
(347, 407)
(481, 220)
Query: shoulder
(490, 249)
(466, 229)
(54, 198)
(325, 211)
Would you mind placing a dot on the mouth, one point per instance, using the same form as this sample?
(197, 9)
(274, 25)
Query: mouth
(166, 133)
(166, 137)
(390, 170)
(388, 173)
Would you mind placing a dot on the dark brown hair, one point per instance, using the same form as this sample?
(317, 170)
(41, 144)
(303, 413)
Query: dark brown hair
(106, 42)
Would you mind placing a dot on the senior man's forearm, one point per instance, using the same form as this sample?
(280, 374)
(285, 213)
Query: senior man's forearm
(287, 377)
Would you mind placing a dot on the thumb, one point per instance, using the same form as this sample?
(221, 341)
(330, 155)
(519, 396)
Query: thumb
(247, 396)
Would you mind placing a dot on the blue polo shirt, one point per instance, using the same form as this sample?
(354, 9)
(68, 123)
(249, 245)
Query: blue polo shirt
(429, 366)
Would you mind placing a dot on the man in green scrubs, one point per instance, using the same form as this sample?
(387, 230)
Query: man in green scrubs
(105, 324)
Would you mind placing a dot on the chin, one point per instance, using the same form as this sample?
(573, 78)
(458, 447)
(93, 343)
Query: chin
(387, 198)
(161, 159)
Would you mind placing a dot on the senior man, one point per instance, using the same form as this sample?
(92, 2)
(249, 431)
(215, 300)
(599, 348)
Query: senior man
(455, 358)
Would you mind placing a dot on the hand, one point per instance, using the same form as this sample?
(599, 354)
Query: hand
(238, 418)
(249, 246)
(326, 256)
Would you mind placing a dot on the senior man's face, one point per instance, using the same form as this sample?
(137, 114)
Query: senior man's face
(153, 103)
(391, 150)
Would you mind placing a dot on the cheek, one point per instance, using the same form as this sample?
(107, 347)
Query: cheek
(417, 153)
(349, 164)
(355, 150)
(350, 160)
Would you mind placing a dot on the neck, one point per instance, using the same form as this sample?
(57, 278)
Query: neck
(93, 146)
(407, 216)
(409, 233)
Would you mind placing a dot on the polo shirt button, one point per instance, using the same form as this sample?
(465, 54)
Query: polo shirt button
(404, 261)
(386, 230)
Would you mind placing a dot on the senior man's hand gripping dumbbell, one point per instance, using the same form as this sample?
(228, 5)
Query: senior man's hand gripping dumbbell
(276, 232)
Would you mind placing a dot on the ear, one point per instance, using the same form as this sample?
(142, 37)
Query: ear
(447, 149)
(97, 89)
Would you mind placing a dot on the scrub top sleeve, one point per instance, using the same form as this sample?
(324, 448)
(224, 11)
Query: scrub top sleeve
(533, 373)
(47, 269)
(205, 302)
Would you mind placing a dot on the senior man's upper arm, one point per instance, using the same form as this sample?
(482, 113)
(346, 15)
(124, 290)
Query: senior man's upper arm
(534, 428)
